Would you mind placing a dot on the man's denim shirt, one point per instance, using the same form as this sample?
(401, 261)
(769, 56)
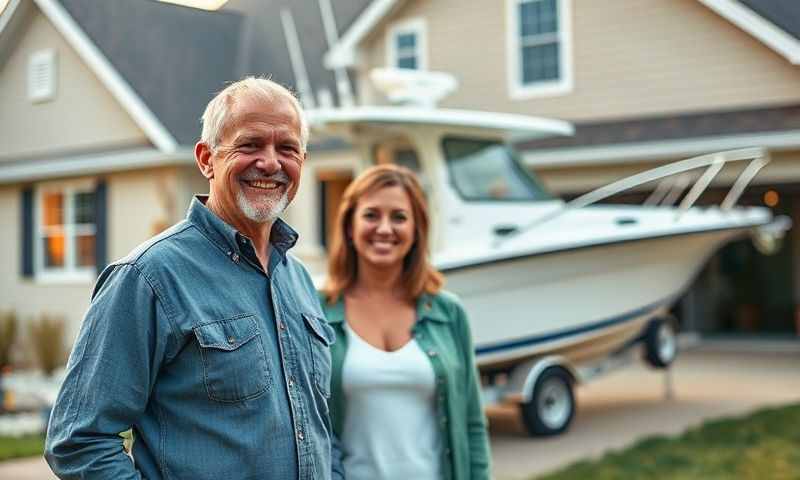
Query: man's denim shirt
(222, 370)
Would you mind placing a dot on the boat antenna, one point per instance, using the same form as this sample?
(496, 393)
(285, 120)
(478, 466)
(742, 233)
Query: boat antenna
(343, 87)
(296, 59)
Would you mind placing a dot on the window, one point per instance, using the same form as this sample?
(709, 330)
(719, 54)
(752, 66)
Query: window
(406, 45)
(539, 48)
(485, 170)
(66, 229)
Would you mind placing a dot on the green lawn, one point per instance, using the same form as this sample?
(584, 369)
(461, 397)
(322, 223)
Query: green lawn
(764, 445)
(28, 446)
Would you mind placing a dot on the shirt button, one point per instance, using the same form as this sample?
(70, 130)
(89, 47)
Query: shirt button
(231, 340)
(291, 382)
(432, 353)
(235, 257)
(282, 325)
(300, 435)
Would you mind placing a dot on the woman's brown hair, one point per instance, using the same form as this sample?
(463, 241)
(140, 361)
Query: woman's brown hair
(419, 276)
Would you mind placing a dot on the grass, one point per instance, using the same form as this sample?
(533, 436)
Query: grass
(764, 445)
(27, 446)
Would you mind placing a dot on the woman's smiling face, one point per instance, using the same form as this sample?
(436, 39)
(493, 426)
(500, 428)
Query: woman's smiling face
(382, 229)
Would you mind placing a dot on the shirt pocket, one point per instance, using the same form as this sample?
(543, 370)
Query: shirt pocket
(320, 339)
(234, 361)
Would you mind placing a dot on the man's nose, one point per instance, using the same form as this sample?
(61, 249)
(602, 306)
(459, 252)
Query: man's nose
(268, 160)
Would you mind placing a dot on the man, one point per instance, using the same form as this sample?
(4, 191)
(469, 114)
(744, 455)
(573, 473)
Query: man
(207, 340)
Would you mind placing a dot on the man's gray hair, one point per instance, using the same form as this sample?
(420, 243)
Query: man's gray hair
(218, 110)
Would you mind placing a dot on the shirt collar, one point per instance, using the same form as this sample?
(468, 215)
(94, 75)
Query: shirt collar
(282, 237)
(427, 309)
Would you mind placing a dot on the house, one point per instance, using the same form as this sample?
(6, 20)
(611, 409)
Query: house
(100, 101)
(100, 106)
(644, 83)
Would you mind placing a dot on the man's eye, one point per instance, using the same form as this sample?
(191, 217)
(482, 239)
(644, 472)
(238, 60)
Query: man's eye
(248, 146)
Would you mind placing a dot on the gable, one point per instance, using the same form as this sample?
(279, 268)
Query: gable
(83, 115)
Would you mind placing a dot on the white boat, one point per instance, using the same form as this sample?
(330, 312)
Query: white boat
(551, 286)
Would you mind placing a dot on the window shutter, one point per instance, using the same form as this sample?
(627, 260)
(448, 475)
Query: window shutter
(26, 247)
(101, 226)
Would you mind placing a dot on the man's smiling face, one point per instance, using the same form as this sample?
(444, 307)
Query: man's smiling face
(256, 166)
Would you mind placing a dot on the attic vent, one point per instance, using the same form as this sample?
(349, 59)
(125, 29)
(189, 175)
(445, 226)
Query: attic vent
(42, 75)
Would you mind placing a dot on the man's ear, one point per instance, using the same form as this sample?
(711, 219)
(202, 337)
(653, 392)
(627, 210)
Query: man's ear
(202, 155)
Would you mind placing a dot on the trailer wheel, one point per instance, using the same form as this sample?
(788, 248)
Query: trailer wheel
(660, 342)
(552, 405)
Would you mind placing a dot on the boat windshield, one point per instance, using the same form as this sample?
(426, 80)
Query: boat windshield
(485, 170)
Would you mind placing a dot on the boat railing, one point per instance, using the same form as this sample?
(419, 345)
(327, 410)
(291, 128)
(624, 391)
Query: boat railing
(673, 179)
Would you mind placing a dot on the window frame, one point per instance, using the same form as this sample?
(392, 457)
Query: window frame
(71, 272)
(418, 27)
(518, 90)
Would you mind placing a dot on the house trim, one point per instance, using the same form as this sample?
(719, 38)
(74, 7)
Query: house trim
(516, 89)
(50, 168)
(108, 75)
(763, 30)
(343, 53)
(653, 151)
(418, 27)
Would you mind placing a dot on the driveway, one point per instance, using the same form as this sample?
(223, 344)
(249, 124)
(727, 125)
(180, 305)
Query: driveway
(714, 380)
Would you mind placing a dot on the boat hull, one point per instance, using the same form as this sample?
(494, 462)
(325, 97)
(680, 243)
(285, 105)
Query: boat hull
(581, 303)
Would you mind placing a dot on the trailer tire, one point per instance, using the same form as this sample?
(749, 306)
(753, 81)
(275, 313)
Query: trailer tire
(552, 404)
(660, 342)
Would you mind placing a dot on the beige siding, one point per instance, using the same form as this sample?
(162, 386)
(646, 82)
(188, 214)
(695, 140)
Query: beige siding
(631, 58)
(140, 205)
(83, 114)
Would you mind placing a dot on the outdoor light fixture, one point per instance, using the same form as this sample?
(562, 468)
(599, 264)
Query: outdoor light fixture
(201, 4)
(771, 198)
(3, 5)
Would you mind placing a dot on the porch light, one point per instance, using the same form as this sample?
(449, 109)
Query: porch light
(771, 198)
(201, 4)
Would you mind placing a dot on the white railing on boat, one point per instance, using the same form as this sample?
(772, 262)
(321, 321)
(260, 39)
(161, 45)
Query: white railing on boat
(675, 178)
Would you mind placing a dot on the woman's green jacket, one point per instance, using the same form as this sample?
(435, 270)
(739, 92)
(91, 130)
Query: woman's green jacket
(443, 333)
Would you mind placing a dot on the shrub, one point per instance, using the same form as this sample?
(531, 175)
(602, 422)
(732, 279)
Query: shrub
(47, 339)
(8, 334)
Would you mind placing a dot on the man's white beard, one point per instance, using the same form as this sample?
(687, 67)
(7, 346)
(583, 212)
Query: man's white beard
(263, 213)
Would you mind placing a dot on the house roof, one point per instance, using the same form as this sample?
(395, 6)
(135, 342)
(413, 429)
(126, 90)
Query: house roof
(650, 138)
(785, 14)
(173, 58)
(774, 22)
(164, 62)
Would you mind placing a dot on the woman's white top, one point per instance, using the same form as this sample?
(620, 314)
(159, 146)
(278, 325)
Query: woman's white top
(390, 430)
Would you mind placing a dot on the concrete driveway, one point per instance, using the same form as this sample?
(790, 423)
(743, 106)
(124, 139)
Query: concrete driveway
(714, 380)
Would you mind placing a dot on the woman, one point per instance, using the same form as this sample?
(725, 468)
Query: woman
(405, 397)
